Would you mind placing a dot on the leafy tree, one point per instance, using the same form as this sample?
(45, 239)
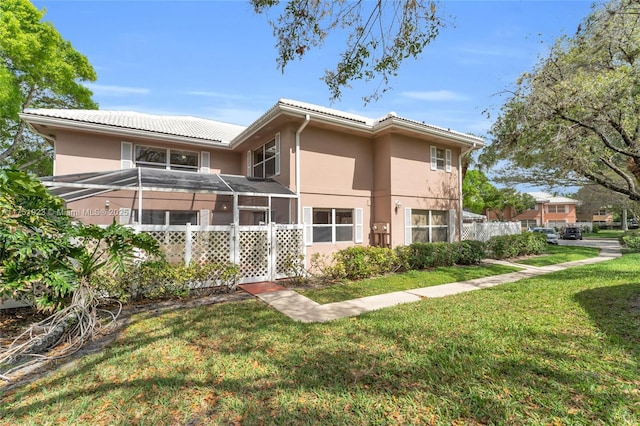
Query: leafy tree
(38, 69)
(508, 198)
(476, 191)
(576, 116)
(480, 196)
(380, 35)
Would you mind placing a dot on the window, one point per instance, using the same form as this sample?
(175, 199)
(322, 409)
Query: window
(332, 225)
(440, 159)
(163, 158)
(264, 161)
(602, 212)
(529, 223)
(427, 226)
(557, 208)
(167, 217)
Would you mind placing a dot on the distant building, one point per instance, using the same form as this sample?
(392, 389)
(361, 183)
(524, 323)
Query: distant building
(548, 211)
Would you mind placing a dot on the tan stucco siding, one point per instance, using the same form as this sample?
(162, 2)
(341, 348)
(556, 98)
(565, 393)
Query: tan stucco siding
(411, 173)
(83, 152)
(335, 163)
(338, 202)
(78, 152)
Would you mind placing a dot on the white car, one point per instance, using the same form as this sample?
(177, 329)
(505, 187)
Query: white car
(551, 234)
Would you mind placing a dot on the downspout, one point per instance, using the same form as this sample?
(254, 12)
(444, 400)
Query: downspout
(307, 118)
(460, 219)
(139, 196)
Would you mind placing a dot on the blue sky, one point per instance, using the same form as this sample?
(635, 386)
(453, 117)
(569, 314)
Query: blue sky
(216, 59)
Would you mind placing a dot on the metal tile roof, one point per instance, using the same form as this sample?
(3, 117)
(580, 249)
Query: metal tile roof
(549, 198)
(187, 126)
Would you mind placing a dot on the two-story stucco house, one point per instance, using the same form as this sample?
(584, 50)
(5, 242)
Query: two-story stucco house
(549, 210)
(337, 173)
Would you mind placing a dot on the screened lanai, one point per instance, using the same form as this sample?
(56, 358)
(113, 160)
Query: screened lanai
(154, 197)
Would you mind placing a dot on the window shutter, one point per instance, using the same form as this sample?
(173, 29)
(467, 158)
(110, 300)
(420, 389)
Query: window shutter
(407, 225)
(126, 155)
(203, 220)
(447, 155)
(277, 153)
(307, 220)
(249, 174)
(451, 225)
(566, 208)
(546, 208)
(359, 227)
(434, 161)
(204, 162)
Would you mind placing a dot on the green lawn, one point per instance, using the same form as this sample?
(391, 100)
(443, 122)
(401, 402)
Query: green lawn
(604, 233)
(561, 348)
(560, 254)
(405, 281)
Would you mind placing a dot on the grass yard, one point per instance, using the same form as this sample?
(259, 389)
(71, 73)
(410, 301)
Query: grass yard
(405, 281)
(604, 233)
(560, 254)
(561, 348)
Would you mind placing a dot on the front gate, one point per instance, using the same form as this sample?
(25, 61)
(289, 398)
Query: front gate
(263, 252)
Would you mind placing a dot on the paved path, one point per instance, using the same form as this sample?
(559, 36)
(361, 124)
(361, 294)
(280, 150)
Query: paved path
(303, 309)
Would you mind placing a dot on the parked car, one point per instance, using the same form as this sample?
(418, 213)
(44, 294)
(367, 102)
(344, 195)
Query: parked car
(550, 233)
(571, 233)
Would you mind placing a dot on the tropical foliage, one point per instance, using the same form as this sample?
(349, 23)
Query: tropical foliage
(38, 69)
(576, 116)
(380, 35)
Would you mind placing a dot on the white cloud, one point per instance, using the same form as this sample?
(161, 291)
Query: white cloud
(217, 95)
(435, 95)
(108, 90)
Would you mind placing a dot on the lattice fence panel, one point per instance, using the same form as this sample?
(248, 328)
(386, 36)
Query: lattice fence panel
(484, 231)
(172, 244)
(289, 246)
(254, 256)
(211, 246)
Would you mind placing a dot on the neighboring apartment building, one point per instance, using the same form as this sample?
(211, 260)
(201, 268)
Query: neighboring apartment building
(549, 211)
(335, 172)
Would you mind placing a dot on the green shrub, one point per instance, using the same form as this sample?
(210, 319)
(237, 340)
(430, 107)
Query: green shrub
(630, 239)
(470, 252)
(595, 228)
(360, 262)
(157, 279)
(507, 246)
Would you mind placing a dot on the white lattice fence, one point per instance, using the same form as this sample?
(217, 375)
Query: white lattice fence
(212, 246)
(484, 231)
(254, 253)
(262, 252)
(288, 250)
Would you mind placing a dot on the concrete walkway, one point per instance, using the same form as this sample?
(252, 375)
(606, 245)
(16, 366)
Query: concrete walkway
(303, 309)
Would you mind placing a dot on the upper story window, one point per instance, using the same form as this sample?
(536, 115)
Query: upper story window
(164, 158)
(264, 161)
(440, 159)
(602, 212)
(557, 208)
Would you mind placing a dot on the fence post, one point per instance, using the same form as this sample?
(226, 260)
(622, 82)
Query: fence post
(187, 244)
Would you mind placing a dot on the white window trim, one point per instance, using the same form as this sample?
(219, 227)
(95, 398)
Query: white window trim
(251, 164)
(433, 157)
(358, 225)
(408, 227)
(168, 162)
